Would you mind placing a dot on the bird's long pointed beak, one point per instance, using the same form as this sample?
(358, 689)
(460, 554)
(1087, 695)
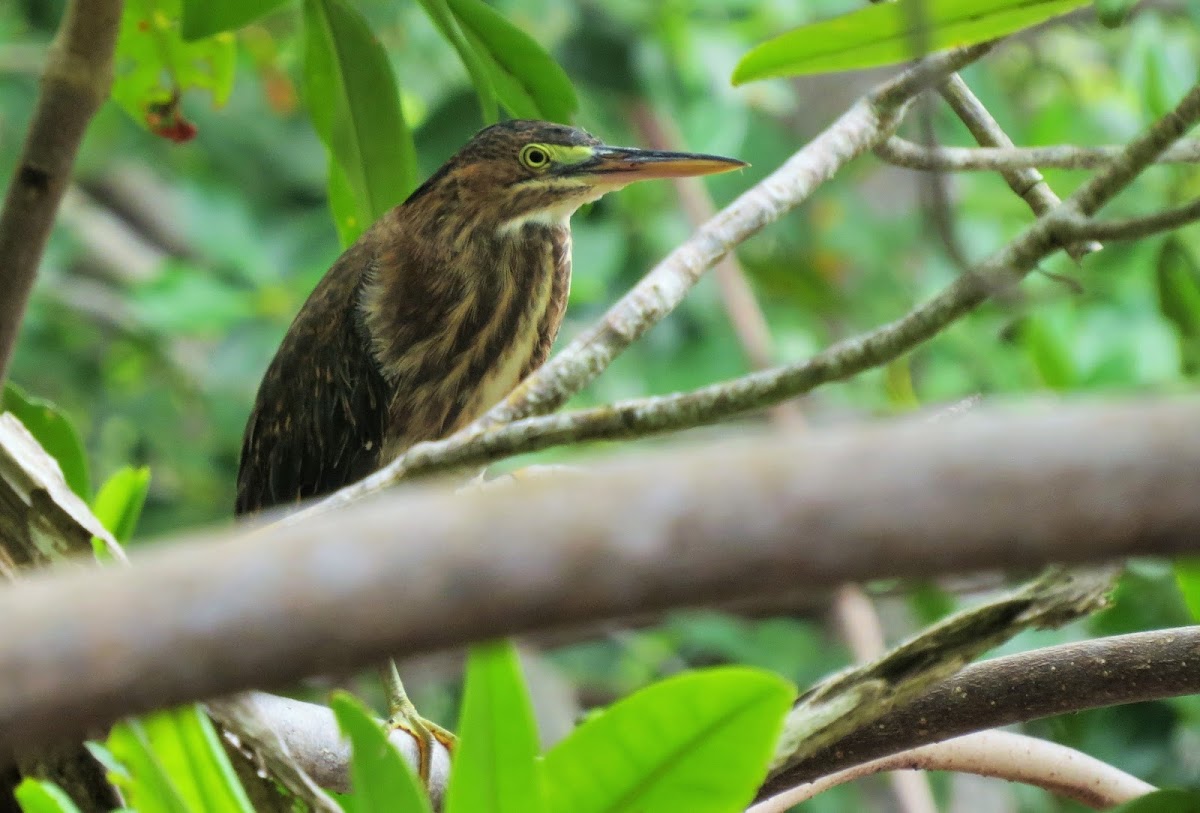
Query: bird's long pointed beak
(627, 164)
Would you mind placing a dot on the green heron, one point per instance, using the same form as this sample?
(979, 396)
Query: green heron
(436, 312)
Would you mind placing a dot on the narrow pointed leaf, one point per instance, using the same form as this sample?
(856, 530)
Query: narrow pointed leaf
(118, 504)
(354, 104)
(522, 60)
(884, 34)
(175, 761)
(35, 796)
(494, 765)
(380, 780)
(699, 742)
(443, 18)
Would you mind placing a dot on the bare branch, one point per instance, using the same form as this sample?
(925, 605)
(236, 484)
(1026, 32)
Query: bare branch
(1026, 182)
(419, 570)
(1133, 228)
(1000, 754)
(75, 83)
(904, 153)
(1018, 688)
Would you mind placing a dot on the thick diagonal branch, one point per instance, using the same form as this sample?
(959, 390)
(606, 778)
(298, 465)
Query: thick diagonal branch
(414, 571)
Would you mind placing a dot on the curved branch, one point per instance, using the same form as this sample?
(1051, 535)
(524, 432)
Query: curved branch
(999, 754)
(76, 81)
(1018, 688)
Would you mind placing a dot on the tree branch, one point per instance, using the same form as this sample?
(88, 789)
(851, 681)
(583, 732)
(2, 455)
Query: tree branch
(1017, 688)
(419, 570)
(75, 83)
(904, 153)
(1026, 182)
(999, 754)
(1133, 228)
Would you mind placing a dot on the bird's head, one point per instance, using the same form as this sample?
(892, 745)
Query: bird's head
(522, 171)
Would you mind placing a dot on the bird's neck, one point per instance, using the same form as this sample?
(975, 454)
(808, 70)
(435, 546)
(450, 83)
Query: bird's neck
(431, 300)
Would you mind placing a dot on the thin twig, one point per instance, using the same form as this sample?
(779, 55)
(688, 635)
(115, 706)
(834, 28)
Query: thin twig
(999, 754)
(904, 153)
(1026, 182)
(76, 81)
(1132, 228)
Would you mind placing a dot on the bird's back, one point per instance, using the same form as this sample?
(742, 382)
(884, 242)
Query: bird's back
(385, 354)
(318, 419)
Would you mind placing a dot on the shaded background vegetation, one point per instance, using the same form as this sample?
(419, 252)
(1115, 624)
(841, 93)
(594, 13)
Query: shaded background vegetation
(176, 269)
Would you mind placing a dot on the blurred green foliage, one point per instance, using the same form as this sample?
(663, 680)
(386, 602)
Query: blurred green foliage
(176, 268)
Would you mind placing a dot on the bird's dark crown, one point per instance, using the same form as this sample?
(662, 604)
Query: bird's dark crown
(492, 159)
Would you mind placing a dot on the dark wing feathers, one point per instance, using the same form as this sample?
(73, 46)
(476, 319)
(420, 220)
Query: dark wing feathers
(318, 420)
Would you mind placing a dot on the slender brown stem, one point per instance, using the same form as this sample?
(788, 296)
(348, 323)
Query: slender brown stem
(76, 81)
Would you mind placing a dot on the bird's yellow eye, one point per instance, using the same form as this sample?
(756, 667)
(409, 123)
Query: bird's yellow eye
(534, 156)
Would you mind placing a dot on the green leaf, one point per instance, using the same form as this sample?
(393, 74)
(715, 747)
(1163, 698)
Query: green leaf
(1187, 576)
(698, 742)
(153, 63)
(380, 779)
(176, 763)
(494, 764)
(54, 431)
(1049, 354)
(1113, 13)
(203, 18)
(354, 104)
(884, 34)
(1178, 277)
(1163, 801)
(118, 503)
(35, 796)
(443, 19)
(523, 70)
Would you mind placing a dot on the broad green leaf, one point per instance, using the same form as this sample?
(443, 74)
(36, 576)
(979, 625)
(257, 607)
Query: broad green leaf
(203, 18)
(884, 34)
(1187, 575)
(154, 65)
(35, 796)
(698, 742)
(1163, 801)
(443, 19)
(380, 779)
(508, 90)
(55, 432)
(349, 221)
(526, 70)
(175, 762)
(355, 107)
(494, 764)
(118, 503)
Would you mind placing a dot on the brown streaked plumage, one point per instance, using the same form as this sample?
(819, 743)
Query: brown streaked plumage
(437, 311)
